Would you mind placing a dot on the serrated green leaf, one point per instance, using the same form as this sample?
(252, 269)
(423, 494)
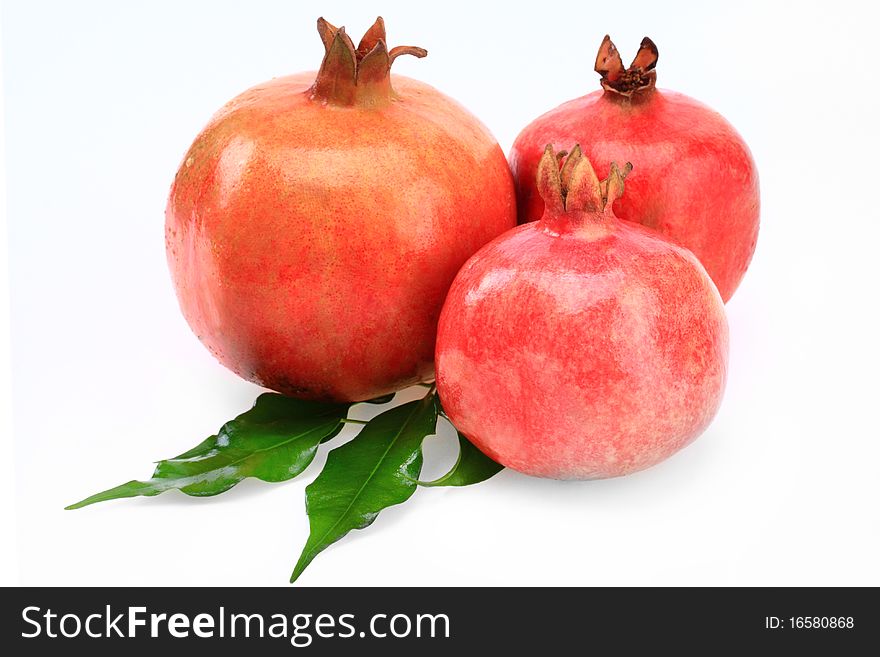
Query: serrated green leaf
(472, 467)
(273, 441)
(377, 469)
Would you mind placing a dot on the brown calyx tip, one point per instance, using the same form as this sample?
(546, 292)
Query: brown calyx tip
(612, 187)
(371, 38)
(568, 183)
(360, 75)
(415, 51)
(608, 62)
(639, 78)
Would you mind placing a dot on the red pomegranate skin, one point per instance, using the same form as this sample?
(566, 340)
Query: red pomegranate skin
(581, 347)
(695, 180)
(312, 240)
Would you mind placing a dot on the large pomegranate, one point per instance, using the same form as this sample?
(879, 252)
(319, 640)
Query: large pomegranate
(317, 222)
(695, 180)
(581, 346)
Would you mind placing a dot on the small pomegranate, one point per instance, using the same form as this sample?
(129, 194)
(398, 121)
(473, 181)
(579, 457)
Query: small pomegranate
(581, 346)
(317, 222)
(695, 180)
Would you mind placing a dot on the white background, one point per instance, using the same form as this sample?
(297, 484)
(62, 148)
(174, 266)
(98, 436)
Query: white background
(102, 100)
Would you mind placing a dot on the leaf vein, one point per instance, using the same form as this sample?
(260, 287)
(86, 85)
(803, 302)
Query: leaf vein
(416, 409)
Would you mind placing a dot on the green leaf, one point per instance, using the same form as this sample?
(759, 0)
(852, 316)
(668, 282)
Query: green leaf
(472, 467)
(273, 441)
(377, 469)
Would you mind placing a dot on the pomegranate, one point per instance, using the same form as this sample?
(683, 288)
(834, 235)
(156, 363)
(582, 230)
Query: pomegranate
(695, 179)
(581, 346)
(316, 223)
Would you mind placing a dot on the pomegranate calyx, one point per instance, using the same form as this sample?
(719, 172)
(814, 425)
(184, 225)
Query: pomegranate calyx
(568, 183)
(371, 38)
(639, 78)
(612, 187)
(359, 75)
(549, 182)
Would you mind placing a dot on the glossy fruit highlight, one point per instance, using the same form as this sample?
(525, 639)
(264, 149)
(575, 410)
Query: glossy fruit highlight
(317, 222)
(581, 346)
(695, 181)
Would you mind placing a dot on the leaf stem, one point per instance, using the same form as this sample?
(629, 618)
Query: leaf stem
(349, 420)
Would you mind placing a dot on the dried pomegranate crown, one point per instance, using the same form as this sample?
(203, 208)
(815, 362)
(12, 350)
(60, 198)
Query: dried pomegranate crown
(362, 75)
(638, 78)
(575, 187)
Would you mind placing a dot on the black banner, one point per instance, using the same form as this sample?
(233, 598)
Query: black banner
(434, 621)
